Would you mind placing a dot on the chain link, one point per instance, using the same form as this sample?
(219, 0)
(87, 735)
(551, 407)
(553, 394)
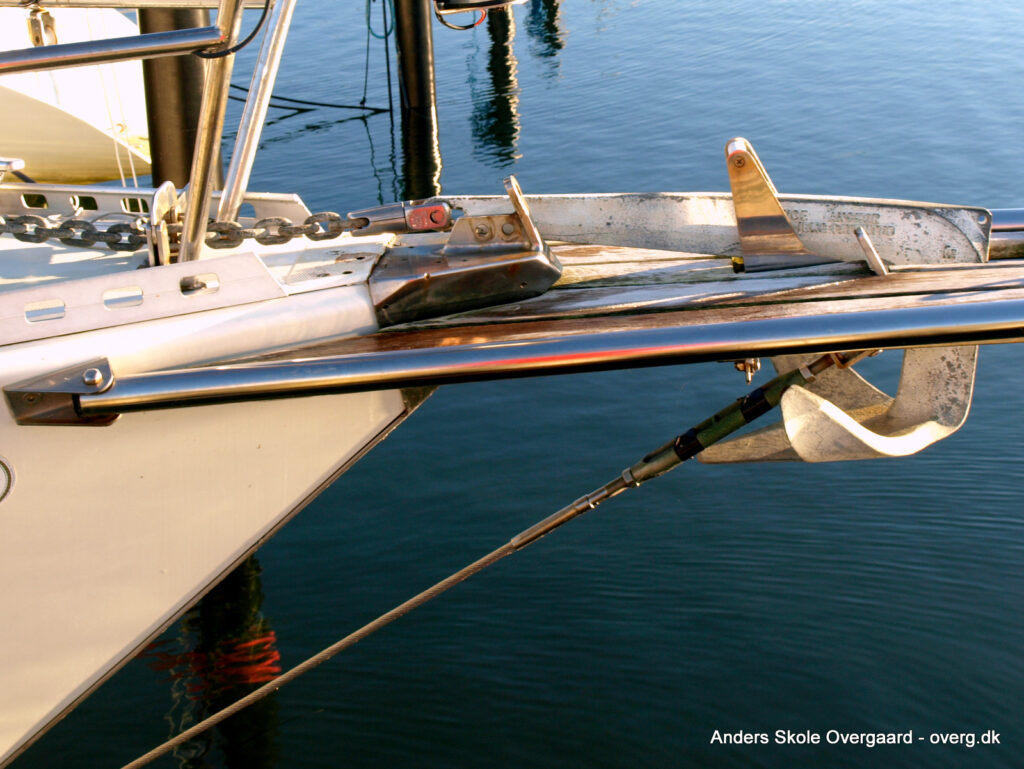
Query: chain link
(30, 228)
(274, 230)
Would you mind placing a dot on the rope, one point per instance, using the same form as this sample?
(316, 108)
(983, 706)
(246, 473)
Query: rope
(387, 30)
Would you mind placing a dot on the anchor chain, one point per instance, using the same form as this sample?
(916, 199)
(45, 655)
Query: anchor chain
(29, 228)
(274, 230)
(131, 236)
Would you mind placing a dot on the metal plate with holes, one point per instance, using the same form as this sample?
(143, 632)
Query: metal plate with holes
(903, 232)
(131, 297)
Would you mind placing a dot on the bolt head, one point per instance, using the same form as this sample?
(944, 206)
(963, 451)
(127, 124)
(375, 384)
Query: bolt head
(739, 162)
(92, 377)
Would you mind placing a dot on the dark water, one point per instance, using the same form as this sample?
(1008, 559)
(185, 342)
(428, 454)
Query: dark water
(879, 596)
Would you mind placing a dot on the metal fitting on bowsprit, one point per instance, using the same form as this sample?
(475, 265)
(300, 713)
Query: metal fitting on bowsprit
(407, 216)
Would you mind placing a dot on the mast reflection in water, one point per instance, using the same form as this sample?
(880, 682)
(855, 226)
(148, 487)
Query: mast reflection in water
(495, 118)
(225, 648)
(545, 34)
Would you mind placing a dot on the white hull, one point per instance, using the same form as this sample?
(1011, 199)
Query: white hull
(126, 525)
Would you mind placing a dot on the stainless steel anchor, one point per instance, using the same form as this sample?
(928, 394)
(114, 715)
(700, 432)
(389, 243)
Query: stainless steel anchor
(840, 415)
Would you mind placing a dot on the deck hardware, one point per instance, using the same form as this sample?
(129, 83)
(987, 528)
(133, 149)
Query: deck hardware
(164, 210)
(53, 399)
(487, 260)
(42, 29)
(767, 237)
(407, 216)
(748, 366)
(870, 254)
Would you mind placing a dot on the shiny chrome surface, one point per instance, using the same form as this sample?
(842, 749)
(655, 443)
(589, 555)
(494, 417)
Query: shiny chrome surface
(767, 237)
(250, 128)
(148, 46)
(211, 125)
(1007, 219)
(50, 400)
(1007, 234)
(486, 352)
(163, 211)
(487, 260)
(1006, 244)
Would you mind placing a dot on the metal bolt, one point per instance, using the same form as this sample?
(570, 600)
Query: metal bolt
(748, 366)
(483, 231)
(31, 397)
(739, 162)
(508, 228)
(92, 377)
(437, 217)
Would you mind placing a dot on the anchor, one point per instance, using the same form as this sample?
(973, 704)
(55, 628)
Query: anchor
(840, 415)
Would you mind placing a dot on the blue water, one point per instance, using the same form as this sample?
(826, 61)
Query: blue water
(879, 596)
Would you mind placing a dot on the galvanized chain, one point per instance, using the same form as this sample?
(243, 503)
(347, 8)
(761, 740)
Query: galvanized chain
(274, 230)
(29, 228)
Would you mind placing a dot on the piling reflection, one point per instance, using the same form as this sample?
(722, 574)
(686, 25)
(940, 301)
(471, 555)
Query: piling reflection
(495, 120)
(544, 31)
(224, 649)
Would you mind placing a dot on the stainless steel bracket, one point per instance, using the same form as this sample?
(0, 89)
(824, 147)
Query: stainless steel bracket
(487, 260)
(53, 399)
(767, 237)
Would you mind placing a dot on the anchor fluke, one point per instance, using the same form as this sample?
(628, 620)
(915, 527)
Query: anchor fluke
(840, 416)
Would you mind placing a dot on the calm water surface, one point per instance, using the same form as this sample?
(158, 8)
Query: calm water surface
(877, 596)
